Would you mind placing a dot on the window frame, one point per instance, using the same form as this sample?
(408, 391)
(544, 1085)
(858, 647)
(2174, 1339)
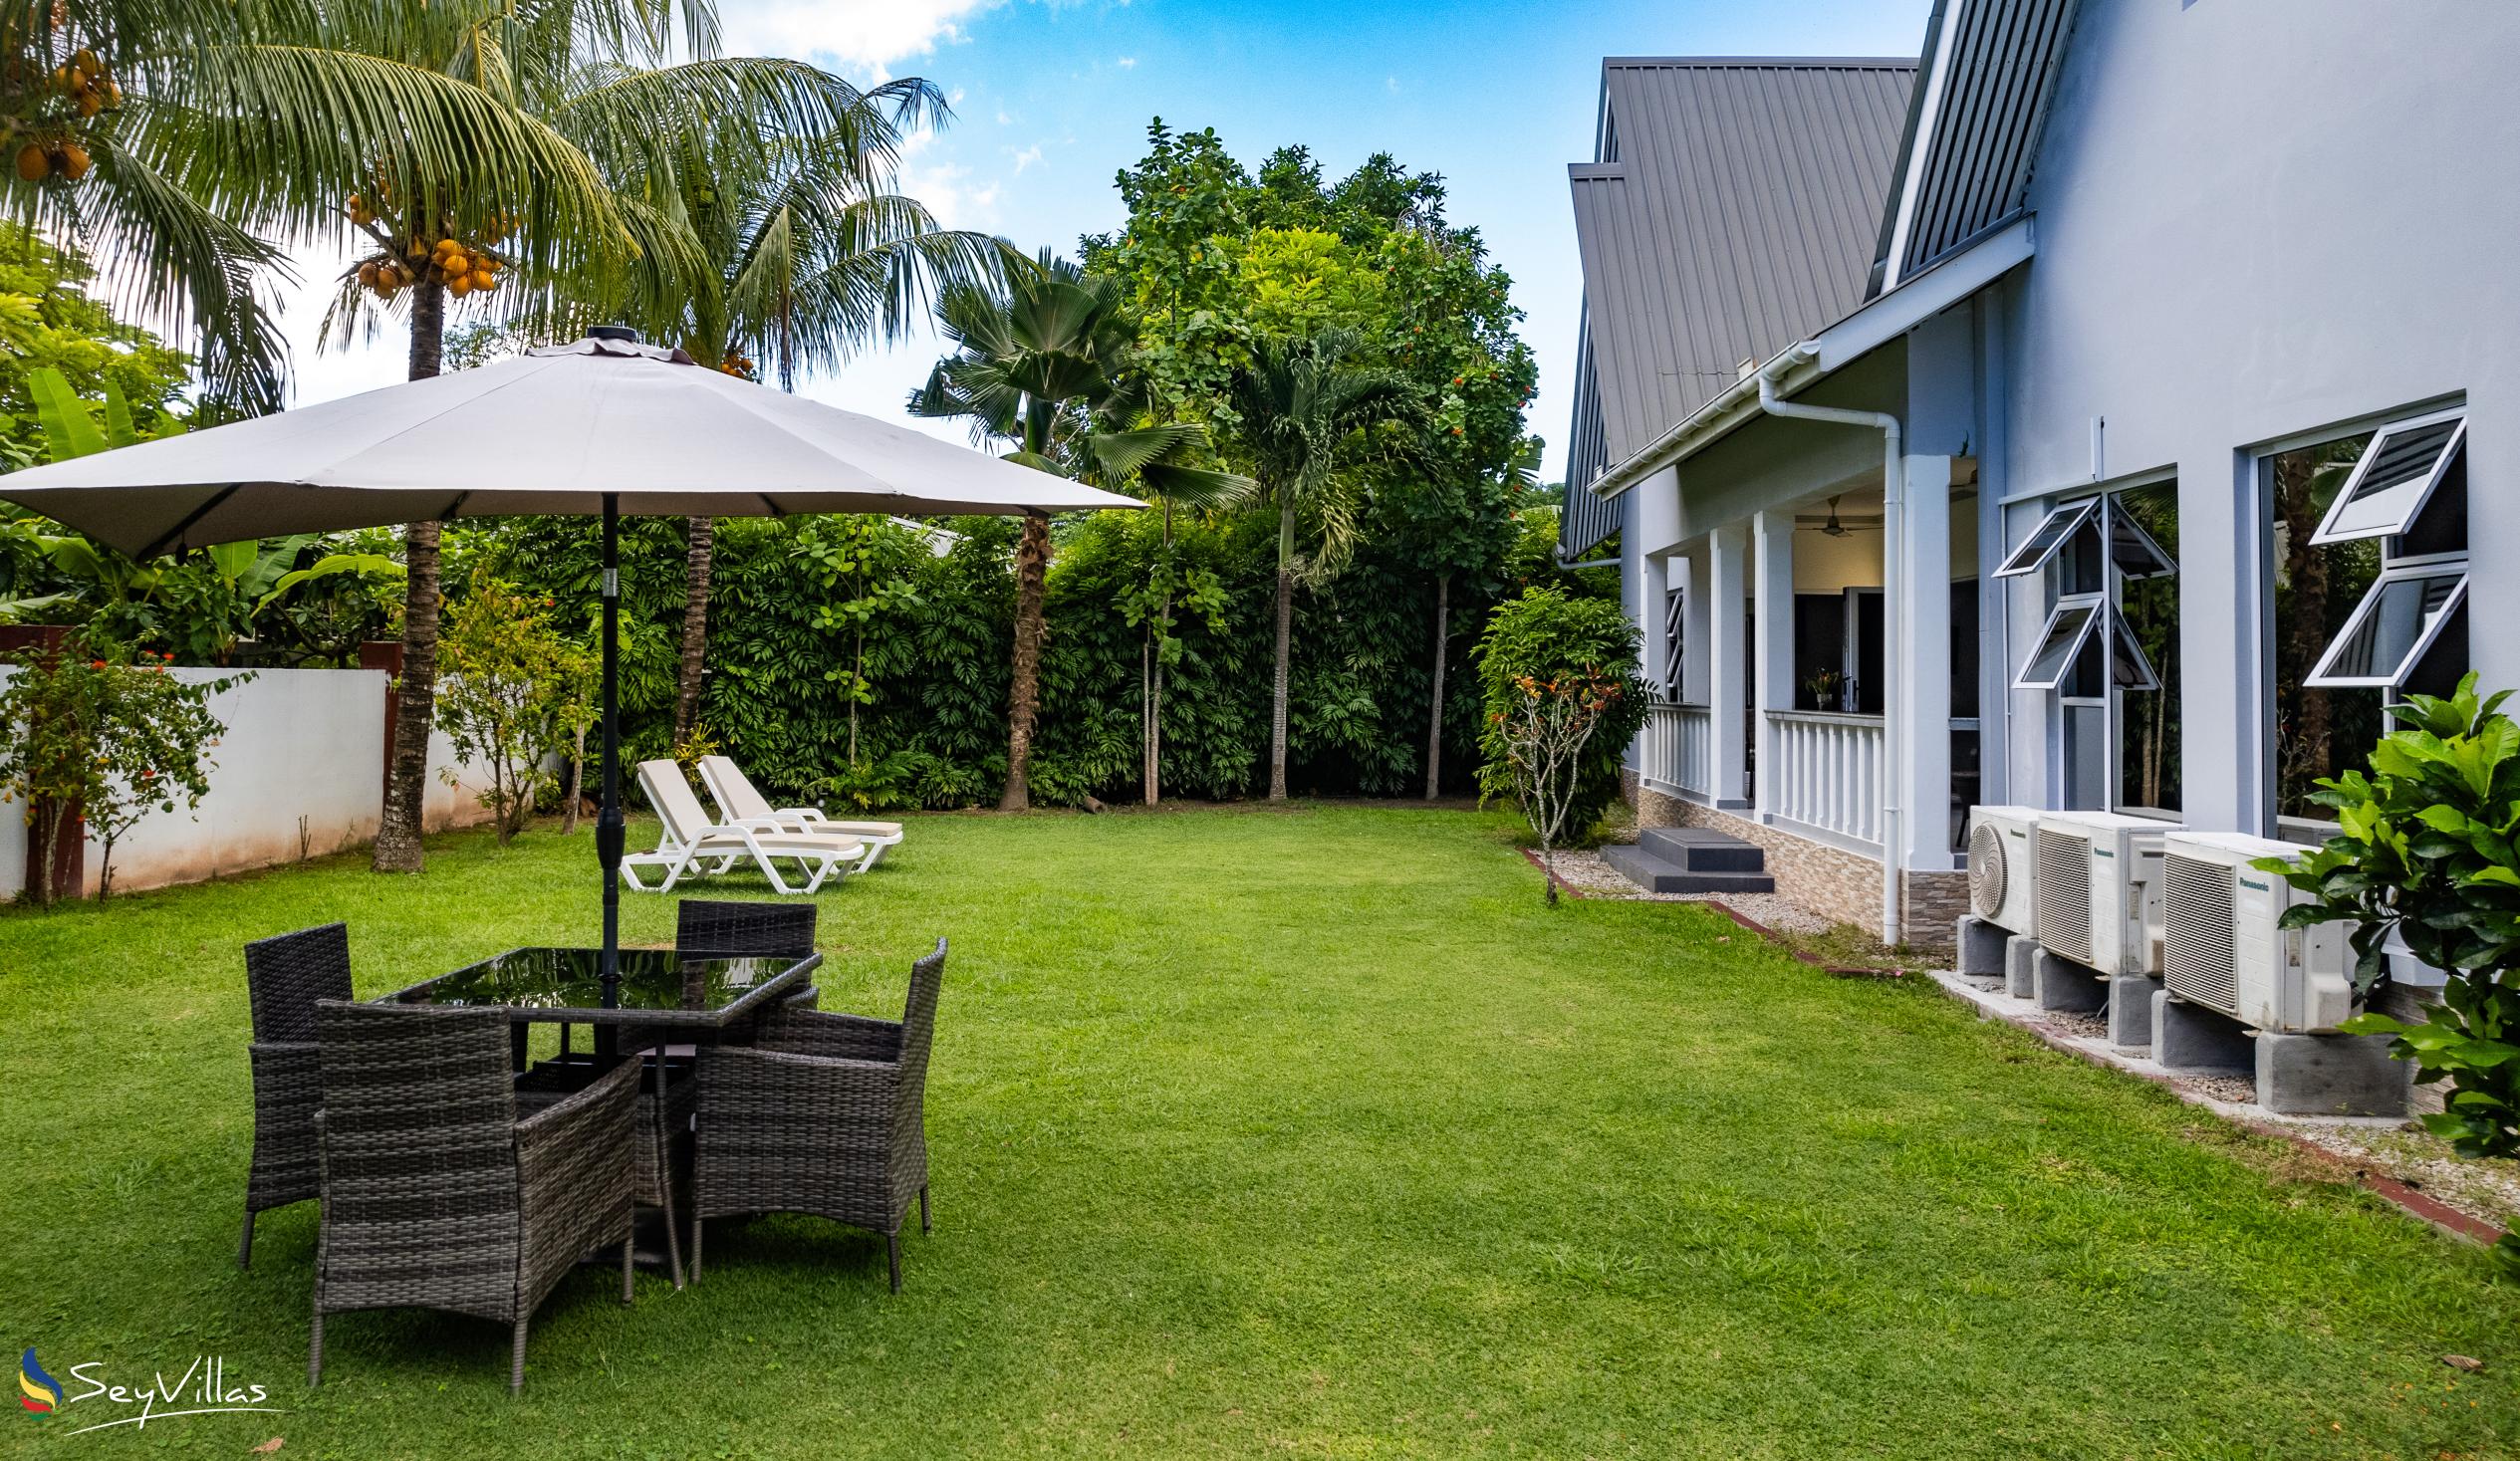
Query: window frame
(2454, 568)
(2330, 533)
(2079, 510)
(2094, 608)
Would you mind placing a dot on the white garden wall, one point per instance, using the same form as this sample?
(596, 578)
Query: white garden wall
(299, 774)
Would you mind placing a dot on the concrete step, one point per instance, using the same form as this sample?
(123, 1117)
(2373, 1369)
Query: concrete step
(1702, 850)
(1661, 875)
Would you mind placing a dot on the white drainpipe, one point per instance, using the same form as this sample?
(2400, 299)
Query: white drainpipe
(1894, 606)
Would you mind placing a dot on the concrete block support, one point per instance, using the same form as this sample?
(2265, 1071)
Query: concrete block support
(1981, 947)
(2130, 1010)
(2065, 987)
(2331, 1075)
(2020, 965)
(2189, 1037)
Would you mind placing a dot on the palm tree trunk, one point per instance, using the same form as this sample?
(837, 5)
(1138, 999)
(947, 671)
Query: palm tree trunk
(1434, 714)
(695, 627)
(415, 698)
(1032, 566)
(1286, 625)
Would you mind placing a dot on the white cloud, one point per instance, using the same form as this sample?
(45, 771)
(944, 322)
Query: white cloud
(1003, 119)
(862, 35)
(1391, 83)
(947, 188)
(1025, 157)
(1127, 63)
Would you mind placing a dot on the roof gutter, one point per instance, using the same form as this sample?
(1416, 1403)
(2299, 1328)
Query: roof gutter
(1894, 599)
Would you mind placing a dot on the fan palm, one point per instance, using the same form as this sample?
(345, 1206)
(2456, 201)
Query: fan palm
(1301, 403)
(1045, 362)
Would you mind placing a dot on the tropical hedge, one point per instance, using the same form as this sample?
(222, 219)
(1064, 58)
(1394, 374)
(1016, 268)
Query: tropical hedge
(925, 666)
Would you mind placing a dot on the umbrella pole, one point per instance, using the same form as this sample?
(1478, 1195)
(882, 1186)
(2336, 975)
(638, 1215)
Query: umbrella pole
(607, 819)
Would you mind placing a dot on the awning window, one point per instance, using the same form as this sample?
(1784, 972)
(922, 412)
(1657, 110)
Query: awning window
(2068, 657)
(2052, 533)
(2128, 668)
(2394, 481)
(2059, 644)
(2397, 621)
(2132, 550)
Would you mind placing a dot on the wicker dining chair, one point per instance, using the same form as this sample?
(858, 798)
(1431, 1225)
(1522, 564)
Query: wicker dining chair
(435, 1194)
(718, 926)
(285, 975)
(824, 1115)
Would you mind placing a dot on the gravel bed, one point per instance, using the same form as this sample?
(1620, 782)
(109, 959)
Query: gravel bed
(1598, 879)
(2069, 1022)
(2237, 1090)
(2421, 1160)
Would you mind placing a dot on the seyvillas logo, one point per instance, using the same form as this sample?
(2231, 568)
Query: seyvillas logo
(37, 1391)
(203, 1388)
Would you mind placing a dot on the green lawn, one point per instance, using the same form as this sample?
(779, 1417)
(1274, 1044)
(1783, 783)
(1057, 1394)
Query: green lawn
(1303, 1132)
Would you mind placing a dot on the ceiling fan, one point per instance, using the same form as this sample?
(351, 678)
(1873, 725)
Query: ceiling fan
(1833, 527)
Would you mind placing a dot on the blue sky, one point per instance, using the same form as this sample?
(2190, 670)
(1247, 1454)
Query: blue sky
(1053, 97)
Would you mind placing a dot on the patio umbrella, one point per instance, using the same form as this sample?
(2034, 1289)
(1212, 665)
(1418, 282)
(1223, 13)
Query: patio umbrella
(599, 427)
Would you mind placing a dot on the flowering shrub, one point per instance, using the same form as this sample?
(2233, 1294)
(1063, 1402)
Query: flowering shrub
(1543, 729)
(108, 738)
(1546, 638)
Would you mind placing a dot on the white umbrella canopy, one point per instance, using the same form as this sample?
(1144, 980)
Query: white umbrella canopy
(552, 432)
(599, 427)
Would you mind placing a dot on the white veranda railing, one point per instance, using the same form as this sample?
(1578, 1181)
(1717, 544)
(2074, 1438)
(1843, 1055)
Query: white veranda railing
(1679, 748)
(1828, 773)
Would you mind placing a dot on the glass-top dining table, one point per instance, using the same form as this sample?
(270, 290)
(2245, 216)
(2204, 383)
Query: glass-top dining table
(691, 997)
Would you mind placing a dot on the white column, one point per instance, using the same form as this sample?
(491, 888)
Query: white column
(1921, 666)
(1653, 654)
(1772, 552)
(1727, 656)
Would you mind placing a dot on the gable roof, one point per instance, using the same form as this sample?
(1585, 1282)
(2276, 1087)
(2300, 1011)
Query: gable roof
(1972, 129)
(1732, 208)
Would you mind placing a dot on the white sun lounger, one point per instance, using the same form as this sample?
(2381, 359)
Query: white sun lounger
(743, 805)
(687, 841)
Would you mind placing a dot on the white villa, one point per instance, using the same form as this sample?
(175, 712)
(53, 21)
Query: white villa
(2082, 416)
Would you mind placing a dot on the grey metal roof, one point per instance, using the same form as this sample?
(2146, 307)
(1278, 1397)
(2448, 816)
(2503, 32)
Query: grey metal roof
(1981, 110)
(1734, 208)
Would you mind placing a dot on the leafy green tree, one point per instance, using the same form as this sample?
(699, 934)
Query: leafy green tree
(515, 688)
(1546, 638)
(1303, 407)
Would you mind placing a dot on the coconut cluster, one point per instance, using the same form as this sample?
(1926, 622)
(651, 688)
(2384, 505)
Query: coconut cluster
(89, 89)
(463, 267)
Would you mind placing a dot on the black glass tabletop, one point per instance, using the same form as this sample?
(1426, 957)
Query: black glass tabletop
(656, 985)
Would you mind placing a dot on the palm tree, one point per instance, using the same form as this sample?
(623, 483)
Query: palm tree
(1045, 362)
(1300, 403)
(809, 256)
(602, 87)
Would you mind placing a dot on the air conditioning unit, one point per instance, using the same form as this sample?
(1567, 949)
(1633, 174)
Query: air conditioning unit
(2003, 865)
(2221, 948)
(2099, 890)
